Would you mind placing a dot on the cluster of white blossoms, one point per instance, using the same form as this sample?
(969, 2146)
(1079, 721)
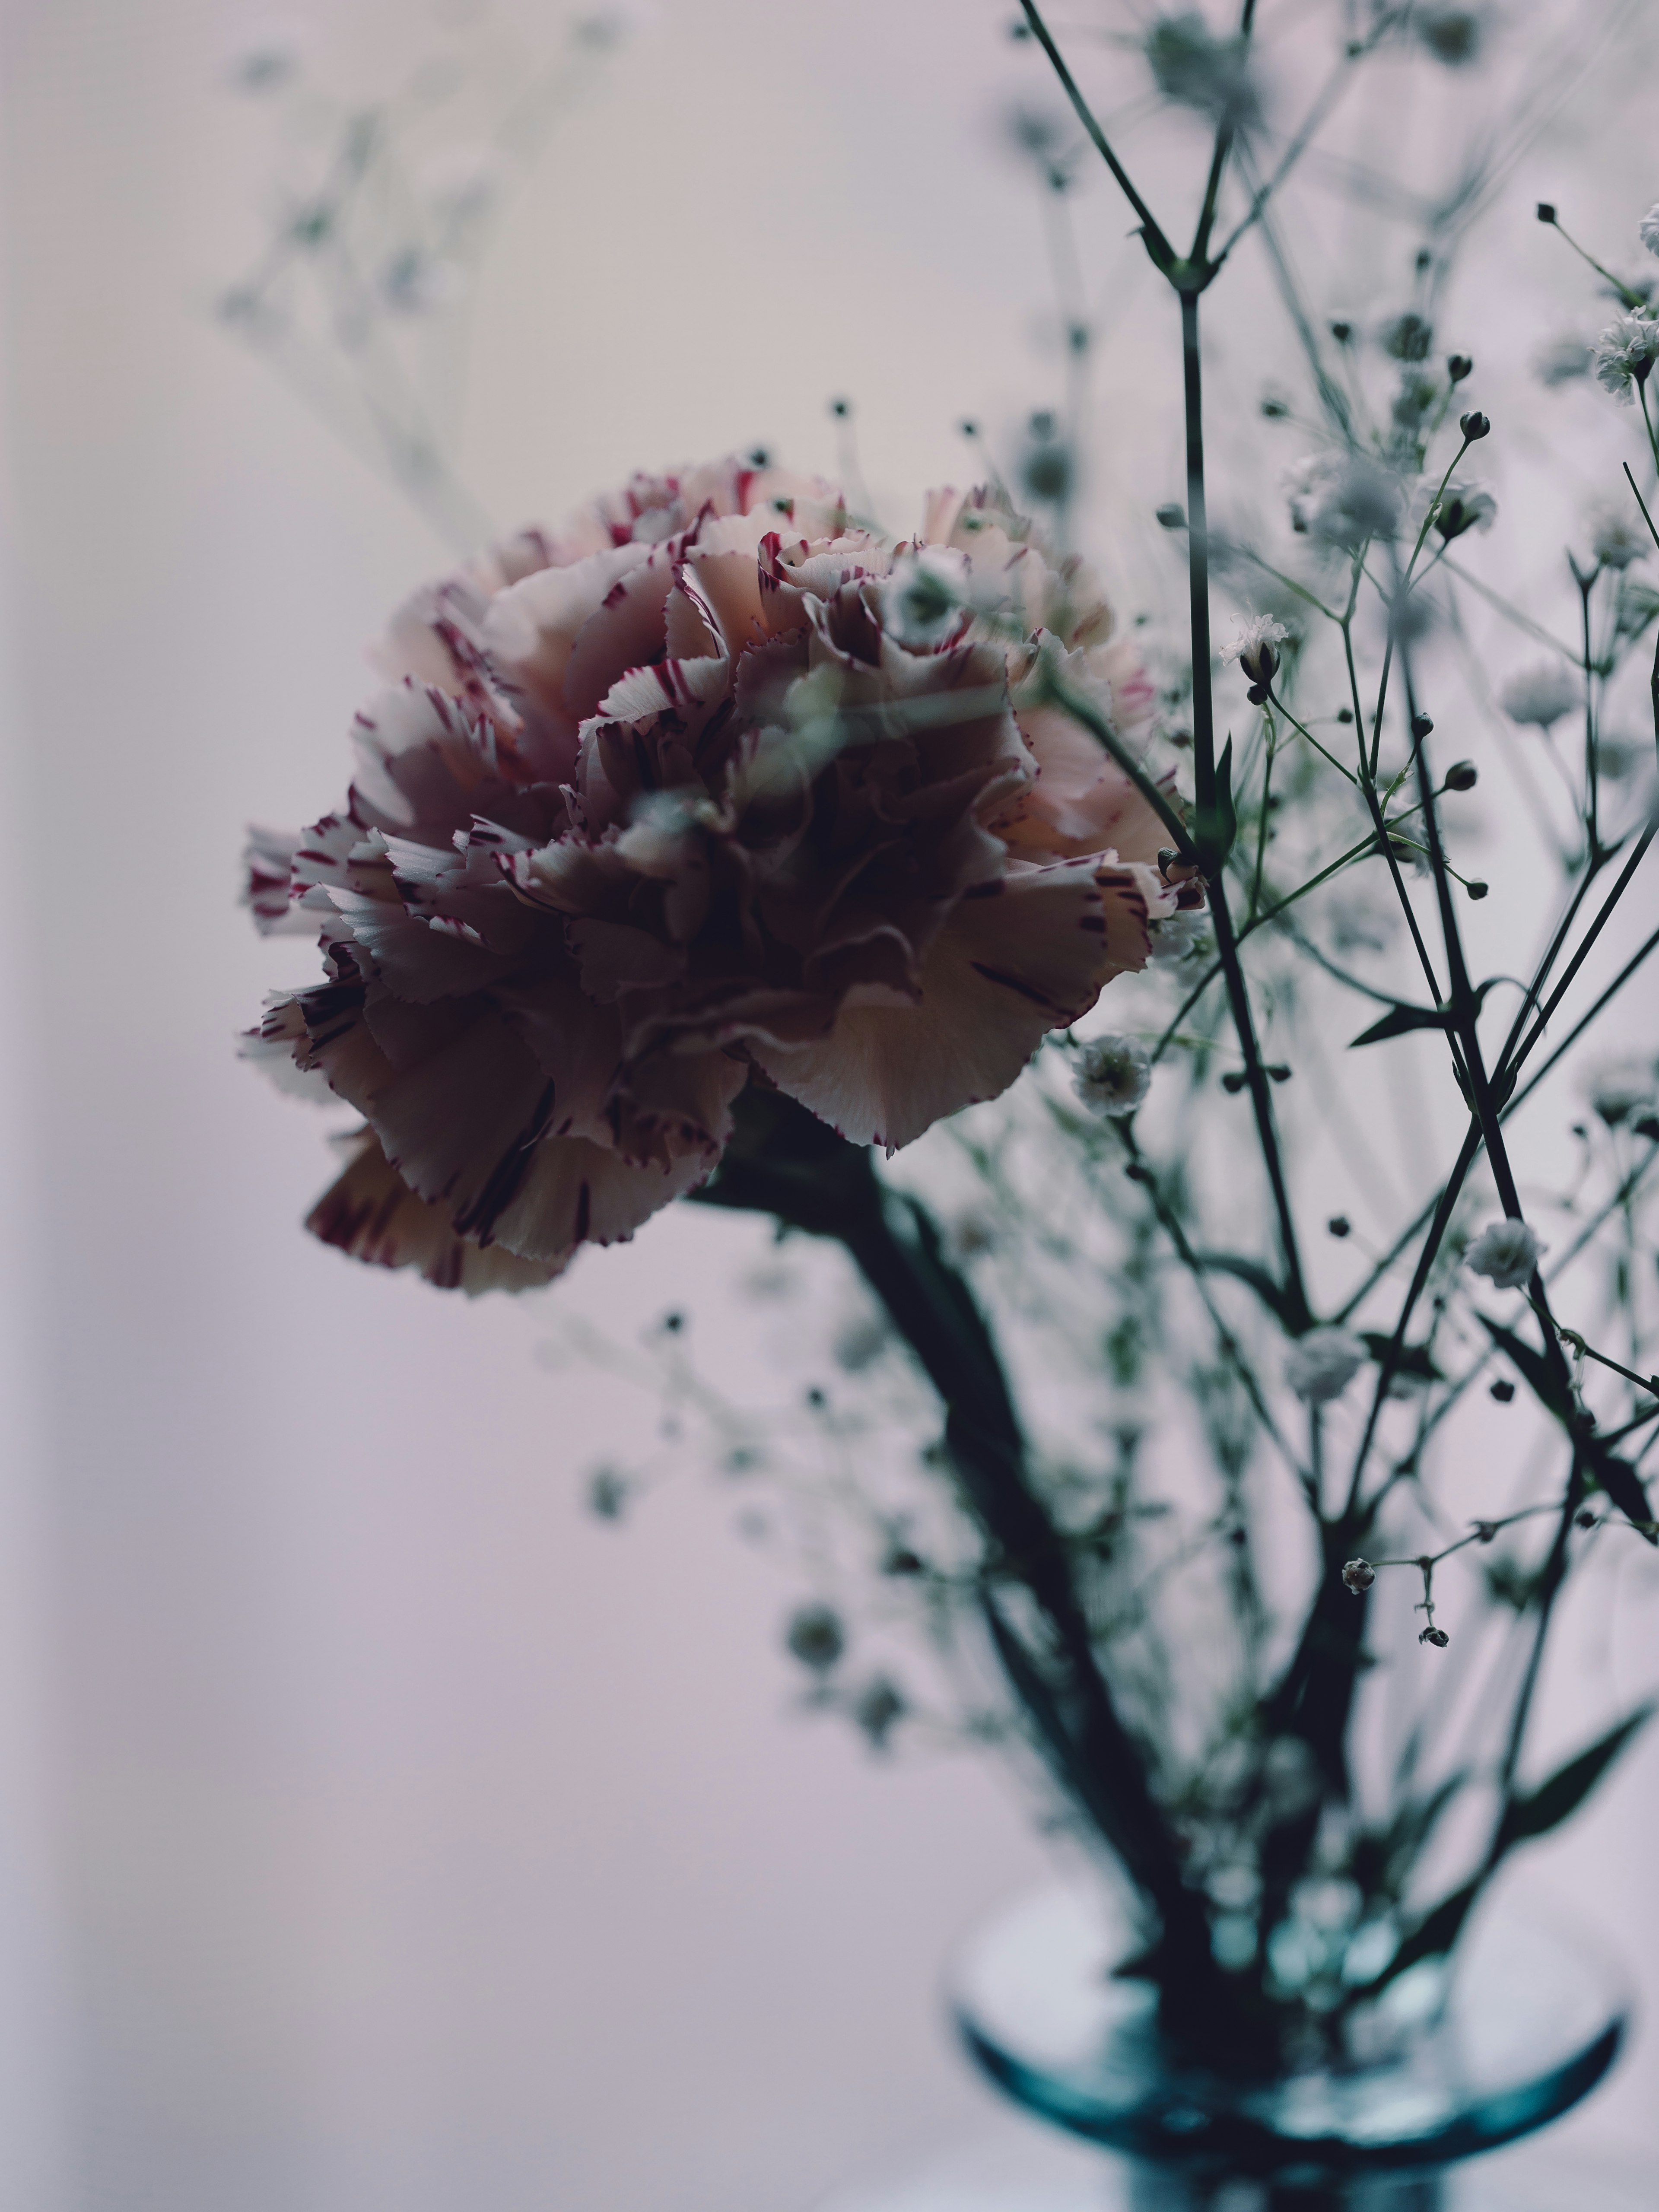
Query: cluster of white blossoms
(1113, 1076)
(1320, 1365)
(1540, 696)
(1506, 1252)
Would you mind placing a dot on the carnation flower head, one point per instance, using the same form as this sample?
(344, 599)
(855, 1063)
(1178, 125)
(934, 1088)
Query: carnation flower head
(706, 787)
(1507, 1252)
(1624, 354)
(1540, 694)
(1114, 1075)
(1320, 1365)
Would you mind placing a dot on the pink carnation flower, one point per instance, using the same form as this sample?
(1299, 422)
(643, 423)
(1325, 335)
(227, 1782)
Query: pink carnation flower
(708, 789)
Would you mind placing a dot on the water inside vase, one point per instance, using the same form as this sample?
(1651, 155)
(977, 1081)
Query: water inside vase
(1524, 2023)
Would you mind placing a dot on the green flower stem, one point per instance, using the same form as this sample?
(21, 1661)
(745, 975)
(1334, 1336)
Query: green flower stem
(1513, 1058)
(1056, 691)
(1157, 245)
(1586, 586)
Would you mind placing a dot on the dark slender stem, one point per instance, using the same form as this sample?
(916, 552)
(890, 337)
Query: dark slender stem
(1586, 585)
(1198, 570)
(1157, 245)
(1638, 851)
(1389, 1366)
(1211, 831)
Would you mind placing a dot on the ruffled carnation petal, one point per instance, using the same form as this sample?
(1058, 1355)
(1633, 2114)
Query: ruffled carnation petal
(1006, 970)
(371, 1212)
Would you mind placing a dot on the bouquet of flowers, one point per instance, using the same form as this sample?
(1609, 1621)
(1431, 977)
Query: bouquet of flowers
(722, 845)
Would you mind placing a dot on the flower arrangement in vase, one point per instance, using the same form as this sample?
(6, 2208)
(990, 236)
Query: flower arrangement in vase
(723, 844)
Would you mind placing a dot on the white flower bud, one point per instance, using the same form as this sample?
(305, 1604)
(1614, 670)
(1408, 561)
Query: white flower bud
(1359, 1575)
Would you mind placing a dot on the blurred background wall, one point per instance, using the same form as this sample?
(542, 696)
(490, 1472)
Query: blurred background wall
(377, 1828)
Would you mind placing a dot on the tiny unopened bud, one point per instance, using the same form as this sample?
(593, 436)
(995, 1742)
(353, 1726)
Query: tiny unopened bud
(877, 1708)
(1279, 1073)
(840, 408)
(1474, 426)
(1339, 1225)
(1172, 517)
(1485, 1531)
(1344, 714)
(1342, 333)
(1257, 695)
(1437, 1637)
(1503, 1390)
(816, 1638)
(1233, 1080)
(1359, 1575)
(1586, 1519)
(1476, 889)
(1463, 775)
(1546, 211)
(1458, 366)
(1422, 725)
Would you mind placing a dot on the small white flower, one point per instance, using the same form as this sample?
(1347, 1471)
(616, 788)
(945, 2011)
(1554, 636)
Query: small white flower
(1625, 354)
(1651, 230)
(1506, 1252)
(1343, 501)
(1615, 540)
(1617, 1092)
(1541, 695)
(1464, 507)
(1320, 1365)
(1195, 69)
(923, 599)
(1114, 1077)
(1254, 647)
(1174, 936)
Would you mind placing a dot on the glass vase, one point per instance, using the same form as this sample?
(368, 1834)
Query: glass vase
(1455, 2060)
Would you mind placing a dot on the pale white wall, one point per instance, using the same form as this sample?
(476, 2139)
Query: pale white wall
(415, 1841)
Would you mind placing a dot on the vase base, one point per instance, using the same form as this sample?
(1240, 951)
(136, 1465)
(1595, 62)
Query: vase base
(1023, 2170)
